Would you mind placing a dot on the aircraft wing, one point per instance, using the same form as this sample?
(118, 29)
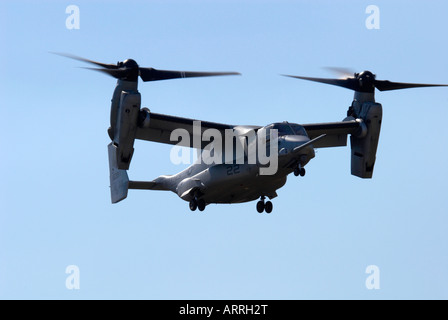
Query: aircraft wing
(161, 126)
(335, 133)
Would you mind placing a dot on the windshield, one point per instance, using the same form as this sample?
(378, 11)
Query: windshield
(283, 129)
(299, 130)
(286, 129)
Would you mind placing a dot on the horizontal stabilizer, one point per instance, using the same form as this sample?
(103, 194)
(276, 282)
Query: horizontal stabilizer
(145, 185)
(119, 180)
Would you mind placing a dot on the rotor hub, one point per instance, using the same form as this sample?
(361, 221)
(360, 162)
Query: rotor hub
(129, 70)
(129, 64)
(366, 81)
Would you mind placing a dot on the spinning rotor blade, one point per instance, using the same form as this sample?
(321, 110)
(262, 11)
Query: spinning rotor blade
(343, 73)
(366, 82)
(100, 64)
(150, 74)
(116, 73)
(129, 70)
(345, 83)
(385, 85)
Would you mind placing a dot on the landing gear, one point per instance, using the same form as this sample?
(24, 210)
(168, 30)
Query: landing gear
(201, 204)
(197, 204)
(262, 206)
(299, 171)
(268, 207)
(193, 205)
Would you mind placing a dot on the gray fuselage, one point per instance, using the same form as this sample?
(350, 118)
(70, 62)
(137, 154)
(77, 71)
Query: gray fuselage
(238, 182)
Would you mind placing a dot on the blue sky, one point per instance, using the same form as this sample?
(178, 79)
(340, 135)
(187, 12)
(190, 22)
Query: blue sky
(326, 228)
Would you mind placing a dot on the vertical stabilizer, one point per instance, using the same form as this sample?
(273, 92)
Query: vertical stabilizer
(119, 180)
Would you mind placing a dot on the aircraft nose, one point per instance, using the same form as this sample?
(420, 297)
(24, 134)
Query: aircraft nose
(290, 142)
(296, 140)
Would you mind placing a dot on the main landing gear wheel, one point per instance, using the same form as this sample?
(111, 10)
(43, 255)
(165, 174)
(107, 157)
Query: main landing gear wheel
(197, 204)
(193, 205)
(262, 206)
(268, 207)
(201, 204)
(299, 171)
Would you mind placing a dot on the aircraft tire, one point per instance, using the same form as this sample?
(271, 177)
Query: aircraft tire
(201, 205)
(268, 207)
(260, 206)
(193, 205)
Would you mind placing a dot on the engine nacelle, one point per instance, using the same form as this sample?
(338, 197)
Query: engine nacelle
(126, 127)
(365, 144)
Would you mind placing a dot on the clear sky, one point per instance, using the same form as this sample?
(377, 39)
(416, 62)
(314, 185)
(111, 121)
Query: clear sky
(326, 228)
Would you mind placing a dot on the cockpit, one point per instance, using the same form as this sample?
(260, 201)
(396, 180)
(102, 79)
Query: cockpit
(286, 128)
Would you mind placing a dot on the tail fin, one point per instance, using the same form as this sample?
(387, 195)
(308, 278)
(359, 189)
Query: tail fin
(119, 180)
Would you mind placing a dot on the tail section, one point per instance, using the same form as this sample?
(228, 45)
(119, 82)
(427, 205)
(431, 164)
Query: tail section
(119, 180)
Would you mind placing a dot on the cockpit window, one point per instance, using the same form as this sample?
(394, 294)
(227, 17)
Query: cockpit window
(299, 130)
(286, 129)
(283, 129)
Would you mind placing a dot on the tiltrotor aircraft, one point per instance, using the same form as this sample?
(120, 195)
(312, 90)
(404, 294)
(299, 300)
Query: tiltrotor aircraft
(235, 180)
